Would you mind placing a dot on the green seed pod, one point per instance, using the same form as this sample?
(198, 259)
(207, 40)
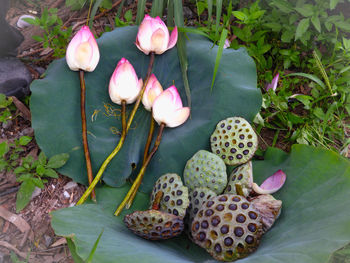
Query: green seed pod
(234, 141)
(175, 194)
(241, 179)
(205, 169)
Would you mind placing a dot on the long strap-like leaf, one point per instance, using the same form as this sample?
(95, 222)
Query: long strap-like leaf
(157, 8)
(181, 48)
(141, 4)
(219, 55)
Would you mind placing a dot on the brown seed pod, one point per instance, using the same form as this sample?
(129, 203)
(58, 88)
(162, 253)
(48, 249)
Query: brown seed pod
(233, 231)
(154, 225)
(269, 208)
(234, 141)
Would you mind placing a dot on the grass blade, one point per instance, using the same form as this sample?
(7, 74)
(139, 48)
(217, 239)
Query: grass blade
(92, 252)
(141, 4)
(219, 55)
(310, 77)
(73, 251)
(193, 31)
(93, 12)
(181, 48)
(120, 8)
(170, 14)
(157, 8)
(218, 16)
(210, 11)
(322, 70)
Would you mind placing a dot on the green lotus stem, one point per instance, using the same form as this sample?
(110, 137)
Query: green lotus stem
(145, 154)
(125, 129)
(84, 131)
(139, 177)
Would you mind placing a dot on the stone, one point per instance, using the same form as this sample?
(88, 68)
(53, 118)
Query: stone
(36, 192)
(11, 37)
(15, 78)
(70, 185)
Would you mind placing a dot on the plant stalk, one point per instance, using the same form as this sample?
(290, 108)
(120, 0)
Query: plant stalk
(109, 158)
(122, 138)
(145, 154)
(139, 177)
(84, 131)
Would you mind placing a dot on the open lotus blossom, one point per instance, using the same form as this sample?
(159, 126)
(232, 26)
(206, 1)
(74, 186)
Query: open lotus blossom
(152, 91)
(82, 51)
(124, 84)
(273, 84)
(272, 184)
(168, 109)
(153, 36)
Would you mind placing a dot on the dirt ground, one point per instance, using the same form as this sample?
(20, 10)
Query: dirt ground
(28, 234)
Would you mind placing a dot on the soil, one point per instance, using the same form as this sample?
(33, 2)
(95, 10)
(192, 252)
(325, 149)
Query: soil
(34, 239)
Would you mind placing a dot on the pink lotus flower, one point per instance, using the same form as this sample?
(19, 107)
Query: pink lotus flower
(152, 91)
(272, 184)
(124, 84)
(168, 109)
(153, 36)
(82, 51)
(273, 84)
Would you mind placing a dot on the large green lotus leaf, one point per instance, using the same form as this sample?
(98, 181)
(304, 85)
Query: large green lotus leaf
(56, 112)
(315, 219)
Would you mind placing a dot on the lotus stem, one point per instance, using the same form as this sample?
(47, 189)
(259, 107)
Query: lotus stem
(109, 158)
(145, 154)
(84, 131)
(123, 136)
(139, 177)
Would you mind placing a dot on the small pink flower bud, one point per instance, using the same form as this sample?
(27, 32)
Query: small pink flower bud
(273, 84)
(124, 84)
(82, 51)
(153, 36)
(152, 91)
(168, 109)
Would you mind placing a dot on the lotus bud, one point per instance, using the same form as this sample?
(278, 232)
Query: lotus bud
(124, 84)
(82, 51)
(152, 91)
(273, 84)
(168, 109)
(271, 184)
(153, 36)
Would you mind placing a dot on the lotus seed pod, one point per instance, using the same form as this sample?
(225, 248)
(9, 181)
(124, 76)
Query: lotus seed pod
(241, 179)
(175, 194)
(228, 227)
(154, 225)
(234, 140)
(197, 199)
(205, 169)
(269, 208)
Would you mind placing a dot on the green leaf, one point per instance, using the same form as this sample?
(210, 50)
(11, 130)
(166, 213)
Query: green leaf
(19, 170)
(333, 4)
(305, 10)
(315, 194)
(50, 173)
(302, 28)
(24, 194)
(38, 182)
(240, 15)
(42, 158)
(58, 160)
(93, 12)
(276, 27)
(73, 251)
(92, 253)
(316, 22)
(210, 10)
(157, 8)
(40, 170)
(218, 17)
(219, 55)
(24, 140)
(283, 6)
(234, 94)
(4, 148)
(287, 36)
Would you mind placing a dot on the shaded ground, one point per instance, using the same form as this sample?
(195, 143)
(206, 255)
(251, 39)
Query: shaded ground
(33, 237)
